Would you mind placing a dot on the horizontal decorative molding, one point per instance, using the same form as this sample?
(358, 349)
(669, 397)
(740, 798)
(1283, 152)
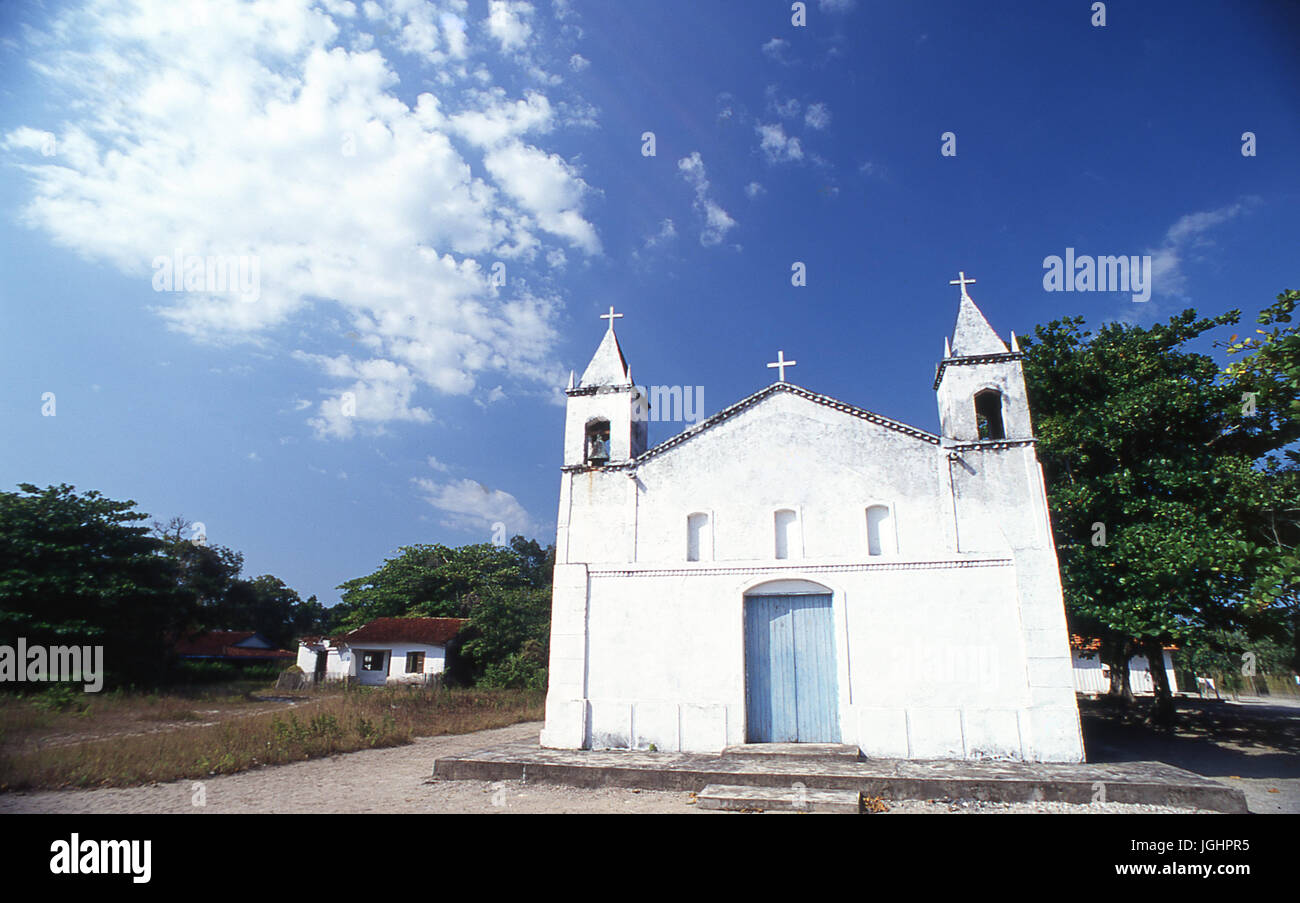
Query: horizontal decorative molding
(990, 443)
(796, 568)
(973, 359)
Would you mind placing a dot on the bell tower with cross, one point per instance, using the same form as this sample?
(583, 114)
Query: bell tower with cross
(980, 383)
(606, 415)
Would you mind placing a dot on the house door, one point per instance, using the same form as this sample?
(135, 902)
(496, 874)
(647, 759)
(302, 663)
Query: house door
(791, 691)
(373, 670)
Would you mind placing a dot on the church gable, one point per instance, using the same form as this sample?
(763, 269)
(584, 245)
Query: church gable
(763, 396)
(791, 456)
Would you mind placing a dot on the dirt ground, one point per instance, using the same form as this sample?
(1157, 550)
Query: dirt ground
(1251, 744)
(399, 780)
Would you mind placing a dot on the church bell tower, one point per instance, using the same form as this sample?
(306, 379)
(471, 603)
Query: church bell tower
(980, 382)
(606, 414)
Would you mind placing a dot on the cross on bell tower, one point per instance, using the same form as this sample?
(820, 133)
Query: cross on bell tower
(960, 280)
(611, 317)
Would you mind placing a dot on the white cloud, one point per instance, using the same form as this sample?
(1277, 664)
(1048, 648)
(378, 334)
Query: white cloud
(836, 6)
(547, 187)
(777, 146)
(453, 32)
(507, 21)
(252, 131)
(777, 49)
(717, 222)
(753, 190)
(785, 109)
(1182, 240)
(25, 138)
(469, 505)
(578, 62)
(818, 116)
(667, 232)
(497, 119)
(438, 465)
(380, 392)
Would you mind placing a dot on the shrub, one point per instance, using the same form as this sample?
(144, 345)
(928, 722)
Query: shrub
(62, 698)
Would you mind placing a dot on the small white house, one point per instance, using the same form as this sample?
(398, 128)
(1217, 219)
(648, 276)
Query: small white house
(1092, 675)
(385, 651)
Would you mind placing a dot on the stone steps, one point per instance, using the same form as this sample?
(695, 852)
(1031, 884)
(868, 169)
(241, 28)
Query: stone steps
(737, 798)
(887, 779)
(770, 752)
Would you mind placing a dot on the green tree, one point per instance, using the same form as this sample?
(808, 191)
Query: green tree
(222, 600)
(1268, 366)
(204, 571)
(77, 568)
(263, 604)
(508, 637)
(429, 580)
(309, 618)
(537, 564)
(1147, 441)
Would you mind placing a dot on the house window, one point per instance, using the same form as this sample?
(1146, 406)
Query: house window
(787, 533)
(597, 442)
(415, 663)
(880, 533)
(699, 537)
(988, 414)
(372, 660)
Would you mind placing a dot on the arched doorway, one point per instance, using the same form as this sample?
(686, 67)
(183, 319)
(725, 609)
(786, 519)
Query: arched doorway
(791, 689)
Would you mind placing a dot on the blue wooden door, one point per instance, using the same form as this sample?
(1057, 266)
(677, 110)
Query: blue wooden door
(790, 687)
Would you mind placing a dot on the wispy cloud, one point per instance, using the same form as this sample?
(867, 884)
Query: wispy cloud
(778, 50)
(777, 146)
(469, 505)
(717, 222)
(817, 116)
(667, 232)
(1189, 239)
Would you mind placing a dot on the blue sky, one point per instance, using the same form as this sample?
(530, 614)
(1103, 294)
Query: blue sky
(376, 160)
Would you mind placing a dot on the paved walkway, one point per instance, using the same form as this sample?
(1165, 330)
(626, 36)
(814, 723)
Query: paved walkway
(1250, 744)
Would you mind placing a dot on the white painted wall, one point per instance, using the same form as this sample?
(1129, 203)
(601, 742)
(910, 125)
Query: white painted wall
(345, 662)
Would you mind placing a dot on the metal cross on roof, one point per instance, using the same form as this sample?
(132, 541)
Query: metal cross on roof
(781, 364)
(611, 316)
(963, 282)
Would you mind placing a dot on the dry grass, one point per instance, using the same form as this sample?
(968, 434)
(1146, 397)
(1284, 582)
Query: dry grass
(59, 716)
(325, 722)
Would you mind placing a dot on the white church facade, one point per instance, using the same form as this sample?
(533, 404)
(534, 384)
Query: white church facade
(798, 569)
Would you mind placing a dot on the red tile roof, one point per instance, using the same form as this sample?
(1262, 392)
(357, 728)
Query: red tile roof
(430, 631)
(237, 652)
(225, 644)
(1092, 644)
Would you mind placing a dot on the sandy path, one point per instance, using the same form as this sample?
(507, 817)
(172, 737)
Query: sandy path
(399, 780)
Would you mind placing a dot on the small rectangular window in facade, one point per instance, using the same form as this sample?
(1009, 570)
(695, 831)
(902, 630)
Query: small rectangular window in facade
(414, 662)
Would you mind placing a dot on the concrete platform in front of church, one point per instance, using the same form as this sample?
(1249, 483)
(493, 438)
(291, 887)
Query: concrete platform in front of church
(903, 779)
